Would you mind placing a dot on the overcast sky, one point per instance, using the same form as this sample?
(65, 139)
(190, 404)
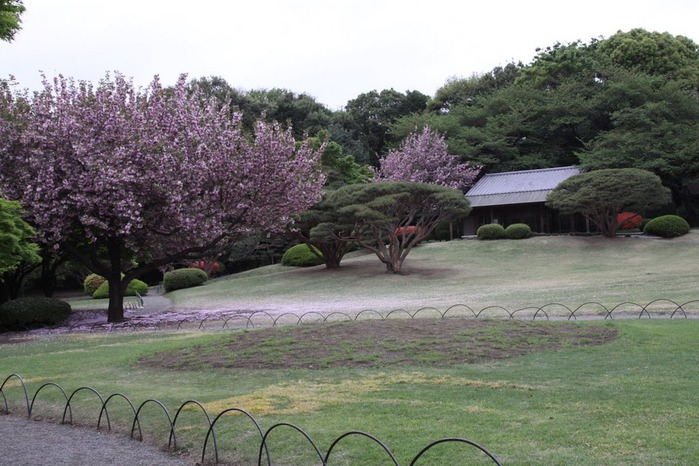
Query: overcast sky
(333, 50)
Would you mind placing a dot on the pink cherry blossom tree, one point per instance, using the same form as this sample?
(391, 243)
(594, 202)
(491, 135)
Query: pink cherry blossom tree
(133, 179)
(423, 157)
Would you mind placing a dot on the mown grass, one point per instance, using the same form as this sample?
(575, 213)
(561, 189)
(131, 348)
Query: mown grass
(508, 273)
(632, 401)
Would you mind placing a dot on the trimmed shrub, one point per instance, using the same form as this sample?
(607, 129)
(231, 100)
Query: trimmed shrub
(25, 312)
(667, 226)
(92, 282)
(518, 231)
(491, 231)
(301, 256)
(134, 286)
(628, 221)
(184, 278)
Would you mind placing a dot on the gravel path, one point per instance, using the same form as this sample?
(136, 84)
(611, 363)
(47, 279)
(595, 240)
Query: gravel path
(37, 443)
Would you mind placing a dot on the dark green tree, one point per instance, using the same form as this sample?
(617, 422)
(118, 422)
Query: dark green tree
(653, 53)
(601, 195)
(466, 91)
(325, 229)
(391, 218)
(316, 225)
(369, 116)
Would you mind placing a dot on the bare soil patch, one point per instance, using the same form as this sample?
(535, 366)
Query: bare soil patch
(383, 343)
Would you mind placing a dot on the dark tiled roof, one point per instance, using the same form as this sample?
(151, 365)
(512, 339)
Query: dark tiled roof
(521, 187)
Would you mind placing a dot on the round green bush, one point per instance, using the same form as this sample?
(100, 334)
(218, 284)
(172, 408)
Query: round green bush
(184, 278)
(25, 312)
(667, 226)
(518, 231)
(491, 231)
(300, 256)
(134, 286)
(92, 282)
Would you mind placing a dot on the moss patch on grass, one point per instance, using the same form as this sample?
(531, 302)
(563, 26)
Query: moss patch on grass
(307, 396)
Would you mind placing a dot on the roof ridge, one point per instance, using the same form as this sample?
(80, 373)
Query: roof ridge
(569, 167)
(513, 192)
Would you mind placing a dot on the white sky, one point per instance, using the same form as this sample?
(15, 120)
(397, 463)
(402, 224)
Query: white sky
(333, 50)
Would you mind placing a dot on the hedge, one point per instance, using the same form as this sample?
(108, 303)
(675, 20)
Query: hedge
(184, 278)
(92, 282)
(491, 231)
(667, 226)
(301, 256)
(134, 286)
(31, 311)
(518, 231)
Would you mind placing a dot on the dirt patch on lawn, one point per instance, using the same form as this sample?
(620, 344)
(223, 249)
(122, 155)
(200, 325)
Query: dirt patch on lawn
(383, 343)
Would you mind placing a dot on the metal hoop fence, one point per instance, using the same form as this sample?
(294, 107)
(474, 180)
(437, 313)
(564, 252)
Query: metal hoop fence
(15, 383)
(231, 320)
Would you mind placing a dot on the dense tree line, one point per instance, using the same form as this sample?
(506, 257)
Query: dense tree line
(627, 101)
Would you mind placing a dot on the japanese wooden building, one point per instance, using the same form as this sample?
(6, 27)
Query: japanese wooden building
(520, 197)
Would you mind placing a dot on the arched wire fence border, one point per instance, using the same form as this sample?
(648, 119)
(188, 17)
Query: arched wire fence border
(230, 320)
(264, 456)
(665, 308)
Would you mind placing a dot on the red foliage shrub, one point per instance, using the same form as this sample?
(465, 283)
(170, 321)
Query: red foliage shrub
(202, 265)
(628, 220)
(408, 230)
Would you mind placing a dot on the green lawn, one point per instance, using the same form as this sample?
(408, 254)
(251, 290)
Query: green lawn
(512, 274)
(633, 400)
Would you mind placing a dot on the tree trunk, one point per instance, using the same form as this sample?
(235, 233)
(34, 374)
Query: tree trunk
(48, 277)
(332, 253)
(115, 312)
(4, 292)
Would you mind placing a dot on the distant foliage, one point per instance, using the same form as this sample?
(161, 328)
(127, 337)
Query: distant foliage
(184, 278)
(301, 256)
(92, 282)
(134, 286)
(26, 312)
(667, 226)
(628, 221)
(491, 231)
(518, 231)
(424, 158)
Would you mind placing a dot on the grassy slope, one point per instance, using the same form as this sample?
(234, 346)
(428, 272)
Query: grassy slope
(512, 274)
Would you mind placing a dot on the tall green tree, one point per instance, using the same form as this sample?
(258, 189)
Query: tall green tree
(16, 237)
(653, 53)
(601, 195)
(369, 116)
(17, 248)
(10, 18)
(465, 91)
(654, 126)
